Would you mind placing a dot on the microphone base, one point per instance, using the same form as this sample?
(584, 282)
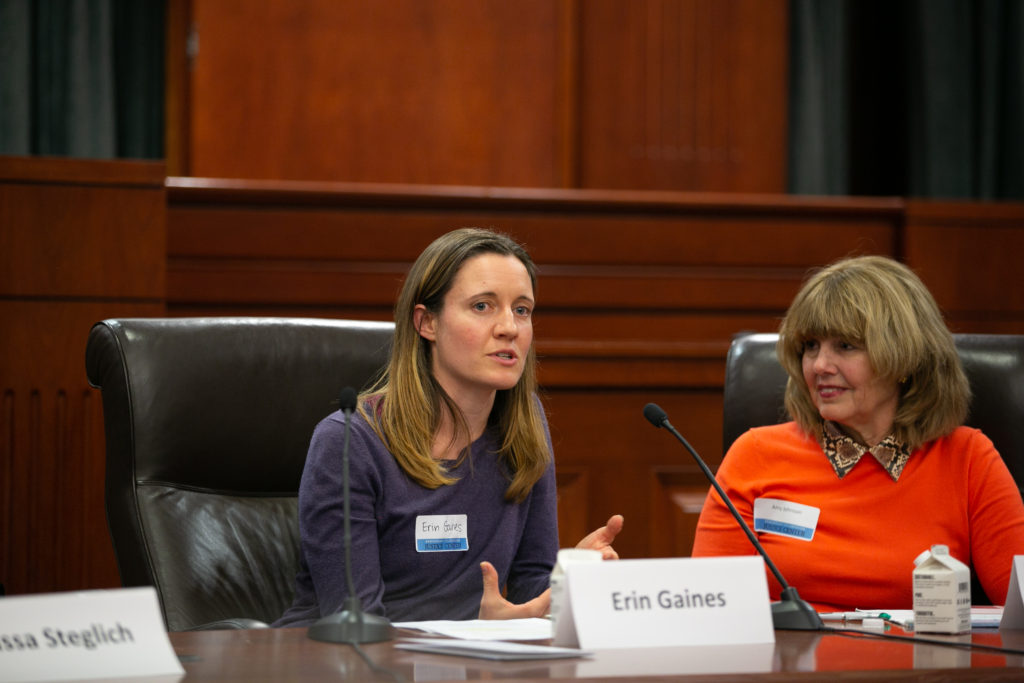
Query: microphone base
(792, 613)
(351, 627)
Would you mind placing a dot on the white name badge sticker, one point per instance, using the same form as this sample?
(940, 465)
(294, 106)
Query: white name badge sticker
(785, 518)
(441, 533)
(670, 602)
(89, 634)
(1013, 612)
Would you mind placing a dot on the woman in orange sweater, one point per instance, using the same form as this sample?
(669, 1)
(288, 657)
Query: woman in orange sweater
(876, 466)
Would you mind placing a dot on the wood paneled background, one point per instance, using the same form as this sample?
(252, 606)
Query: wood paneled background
(316, 146)
(79, 241)
(637, 94)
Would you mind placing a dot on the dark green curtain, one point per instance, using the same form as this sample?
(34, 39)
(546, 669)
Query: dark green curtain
(919, 98)
(82, 78)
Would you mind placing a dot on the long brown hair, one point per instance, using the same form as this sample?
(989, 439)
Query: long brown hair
(405, 406)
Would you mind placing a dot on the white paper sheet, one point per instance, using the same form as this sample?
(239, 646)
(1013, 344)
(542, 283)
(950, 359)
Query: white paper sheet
(488, 650)
(484, 629)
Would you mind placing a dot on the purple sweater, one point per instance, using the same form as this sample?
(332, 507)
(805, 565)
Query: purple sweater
(391, 577)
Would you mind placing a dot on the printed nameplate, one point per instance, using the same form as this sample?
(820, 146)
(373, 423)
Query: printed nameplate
(670, 602)
(1013, 612)
(90, 634)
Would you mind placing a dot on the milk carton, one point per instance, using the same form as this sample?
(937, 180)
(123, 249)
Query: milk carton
(942, 592)
(563, 630)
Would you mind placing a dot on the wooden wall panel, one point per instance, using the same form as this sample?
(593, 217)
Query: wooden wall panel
(642, 94)
(602, 429)
(450, 91)
(79, 241)
(684, 94)
(52, 454)
(59, 234)
(573, 503)
(676, 498)
(627, 251)
(969, 255)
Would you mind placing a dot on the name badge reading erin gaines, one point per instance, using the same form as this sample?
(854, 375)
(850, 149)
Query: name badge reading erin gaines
(441, 533)
(785, 518)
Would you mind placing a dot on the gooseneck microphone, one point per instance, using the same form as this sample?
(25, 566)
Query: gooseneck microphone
(351, 625)
(790, 613)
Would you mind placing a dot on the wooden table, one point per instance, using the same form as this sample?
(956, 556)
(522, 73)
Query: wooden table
(287, 654)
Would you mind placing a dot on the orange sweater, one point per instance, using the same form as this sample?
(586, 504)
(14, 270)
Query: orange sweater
(955, 490)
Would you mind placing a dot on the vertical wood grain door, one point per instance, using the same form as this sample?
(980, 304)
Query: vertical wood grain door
(606, 94)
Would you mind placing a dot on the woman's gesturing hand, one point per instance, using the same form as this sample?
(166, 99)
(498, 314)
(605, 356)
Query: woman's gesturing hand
(601, 540)
(494, 606)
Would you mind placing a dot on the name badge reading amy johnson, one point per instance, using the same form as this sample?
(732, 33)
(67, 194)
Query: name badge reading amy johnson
(441, 533)
(785, 518)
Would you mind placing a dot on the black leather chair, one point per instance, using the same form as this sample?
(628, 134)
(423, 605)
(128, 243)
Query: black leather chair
(207, 423)
(994, 364)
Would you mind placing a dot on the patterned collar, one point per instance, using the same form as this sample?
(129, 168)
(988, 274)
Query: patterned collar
(843, 452)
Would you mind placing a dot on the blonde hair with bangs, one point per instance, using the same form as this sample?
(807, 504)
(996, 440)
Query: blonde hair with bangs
(880, 305)
(405, 406)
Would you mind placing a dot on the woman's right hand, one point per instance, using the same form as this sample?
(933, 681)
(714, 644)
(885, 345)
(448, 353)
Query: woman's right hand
(494, 606)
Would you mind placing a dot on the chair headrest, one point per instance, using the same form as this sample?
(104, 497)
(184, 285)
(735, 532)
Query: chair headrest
(226, 403)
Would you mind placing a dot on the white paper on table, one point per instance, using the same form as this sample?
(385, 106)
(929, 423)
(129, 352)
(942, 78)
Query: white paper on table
(484, 629)
(488, 650)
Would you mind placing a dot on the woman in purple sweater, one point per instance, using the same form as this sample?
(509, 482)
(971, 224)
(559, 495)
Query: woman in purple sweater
(451, 471)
